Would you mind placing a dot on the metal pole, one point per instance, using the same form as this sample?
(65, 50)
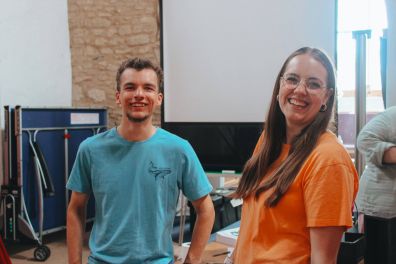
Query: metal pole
(361, 37)
(66, 144)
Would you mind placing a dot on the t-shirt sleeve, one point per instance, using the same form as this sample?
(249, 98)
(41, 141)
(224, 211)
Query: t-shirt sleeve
(195, 183)
(329, 193)
(80, 176)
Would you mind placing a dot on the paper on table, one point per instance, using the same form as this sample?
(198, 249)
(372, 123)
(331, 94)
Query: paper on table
(228, 237)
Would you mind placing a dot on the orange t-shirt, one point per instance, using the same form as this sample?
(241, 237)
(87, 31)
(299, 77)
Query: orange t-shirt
(322, 194)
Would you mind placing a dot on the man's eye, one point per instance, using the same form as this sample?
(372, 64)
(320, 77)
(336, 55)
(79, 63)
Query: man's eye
(149, 88)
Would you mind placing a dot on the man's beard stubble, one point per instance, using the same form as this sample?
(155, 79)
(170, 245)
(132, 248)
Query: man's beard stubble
(137, 120)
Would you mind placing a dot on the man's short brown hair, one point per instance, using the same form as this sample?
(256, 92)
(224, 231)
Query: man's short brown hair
(139, 64)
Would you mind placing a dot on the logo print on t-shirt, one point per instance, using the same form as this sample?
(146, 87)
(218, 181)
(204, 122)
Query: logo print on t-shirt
(158, 172)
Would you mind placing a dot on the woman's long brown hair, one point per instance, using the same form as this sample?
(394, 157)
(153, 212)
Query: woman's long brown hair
(275, 135)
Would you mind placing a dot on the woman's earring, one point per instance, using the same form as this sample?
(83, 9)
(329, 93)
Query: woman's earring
(277, 97)
(323, 108)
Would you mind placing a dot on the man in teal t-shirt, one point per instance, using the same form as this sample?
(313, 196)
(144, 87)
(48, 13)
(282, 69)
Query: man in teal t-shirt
(135, 172)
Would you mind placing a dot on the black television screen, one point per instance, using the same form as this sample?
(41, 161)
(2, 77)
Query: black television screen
(219, 146)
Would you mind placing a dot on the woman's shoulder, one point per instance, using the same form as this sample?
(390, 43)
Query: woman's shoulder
(330, 148)
(330, 157)
(329, 140)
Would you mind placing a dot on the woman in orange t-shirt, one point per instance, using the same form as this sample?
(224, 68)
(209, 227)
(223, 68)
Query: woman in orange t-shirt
(300, 184)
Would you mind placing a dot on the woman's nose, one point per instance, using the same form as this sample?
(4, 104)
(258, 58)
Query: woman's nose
(301, 87)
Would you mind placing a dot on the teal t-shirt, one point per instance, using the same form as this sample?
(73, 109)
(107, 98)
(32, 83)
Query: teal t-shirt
(136, 188)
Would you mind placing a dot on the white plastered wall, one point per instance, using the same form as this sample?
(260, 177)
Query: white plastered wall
(391, 61)
(35, 63)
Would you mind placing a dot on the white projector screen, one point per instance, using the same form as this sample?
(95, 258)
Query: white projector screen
(221, 57)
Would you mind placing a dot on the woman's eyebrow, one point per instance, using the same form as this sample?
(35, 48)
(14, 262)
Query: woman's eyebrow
(293, 74)
(315, 78)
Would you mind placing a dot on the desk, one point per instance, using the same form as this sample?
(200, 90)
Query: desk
(213, 250)
(351, 249)
(210, 255)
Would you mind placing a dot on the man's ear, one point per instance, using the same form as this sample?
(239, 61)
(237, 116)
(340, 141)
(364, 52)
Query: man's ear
(160, 98)
(118, 101)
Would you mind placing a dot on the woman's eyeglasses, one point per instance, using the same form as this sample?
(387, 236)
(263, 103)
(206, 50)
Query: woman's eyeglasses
(312, 85)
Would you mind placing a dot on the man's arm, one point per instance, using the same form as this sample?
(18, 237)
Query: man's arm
(389, 156)
(76, 212)
(325, 242)
(202, 229)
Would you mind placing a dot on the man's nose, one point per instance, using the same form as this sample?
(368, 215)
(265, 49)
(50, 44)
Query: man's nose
(139, 91)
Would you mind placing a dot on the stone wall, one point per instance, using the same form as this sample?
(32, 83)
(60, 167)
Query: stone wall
(103, 33)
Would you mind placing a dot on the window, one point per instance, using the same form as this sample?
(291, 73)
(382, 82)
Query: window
(358, 15)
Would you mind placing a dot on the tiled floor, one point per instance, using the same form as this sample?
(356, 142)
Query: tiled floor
(22, 253)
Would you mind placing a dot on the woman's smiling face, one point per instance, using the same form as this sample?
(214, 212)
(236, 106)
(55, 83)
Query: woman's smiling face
(300, 105)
